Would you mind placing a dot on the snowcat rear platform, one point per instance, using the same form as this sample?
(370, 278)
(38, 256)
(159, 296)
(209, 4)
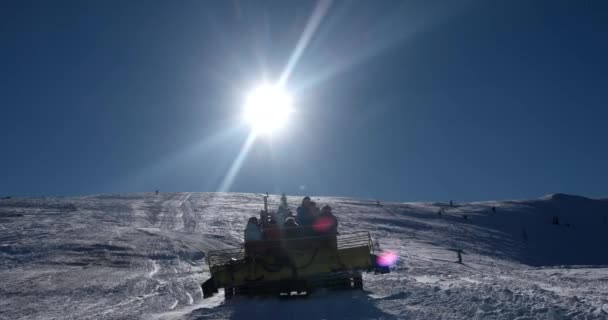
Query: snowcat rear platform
(298, 265)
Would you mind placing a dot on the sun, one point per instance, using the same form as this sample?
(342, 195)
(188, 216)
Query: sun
(267, 109)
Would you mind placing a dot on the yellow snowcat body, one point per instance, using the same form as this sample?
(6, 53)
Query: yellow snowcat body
(287, 266)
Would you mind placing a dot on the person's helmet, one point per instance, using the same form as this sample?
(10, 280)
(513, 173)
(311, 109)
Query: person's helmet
(291, 222)
(253, 220)
(326, 208)
(305, 200)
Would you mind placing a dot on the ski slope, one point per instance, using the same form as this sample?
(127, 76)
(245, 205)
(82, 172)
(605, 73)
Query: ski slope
(142, 256)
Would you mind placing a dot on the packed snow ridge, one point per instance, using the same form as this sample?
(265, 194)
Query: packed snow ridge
(142, 256)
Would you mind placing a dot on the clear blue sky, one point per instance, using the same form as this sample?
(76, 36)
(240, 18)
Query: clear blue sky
(396, 100)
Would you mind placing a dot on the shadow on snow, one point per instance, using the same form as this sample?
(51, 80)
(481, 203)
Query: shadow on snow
(327, 305)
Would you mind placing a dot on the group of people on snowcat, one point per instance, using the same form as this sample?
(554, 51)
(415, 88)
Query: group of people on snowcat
(309, 221)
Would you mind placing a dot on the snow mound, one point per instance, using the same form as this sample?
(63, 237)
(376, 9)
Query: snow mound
(562, 197)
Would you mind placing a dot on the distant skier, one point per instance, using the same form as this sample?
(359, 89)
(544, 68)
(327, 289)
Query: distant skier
(451, 203)
(156, 192)
(493, 209)
(459, 252)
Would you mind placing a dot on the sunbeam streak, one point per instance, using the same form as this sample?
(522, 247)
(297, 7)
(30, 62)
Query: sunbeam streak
(311, 26)
(237, 163)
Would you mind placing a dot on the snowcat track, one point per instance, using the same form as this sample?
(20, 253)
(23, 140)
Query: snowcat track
(296, 288)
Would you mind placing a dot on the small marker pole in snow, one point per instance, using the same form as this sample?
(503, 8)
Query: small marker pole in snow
(266, 202)
(284, 201)
(459, 252)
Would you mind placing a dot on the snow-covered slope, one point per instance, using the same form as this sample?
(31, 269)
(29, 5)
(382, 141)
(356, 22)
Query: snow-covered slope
(141, 256)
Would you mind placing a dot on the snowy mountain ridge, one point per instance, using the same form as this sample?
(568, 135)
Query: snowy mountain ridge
(141, 256)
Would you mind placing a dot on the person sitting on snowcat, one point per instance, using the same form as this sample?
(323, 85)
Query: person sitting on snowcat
(253, 237)
(291, 228)
(257, 234)
(310, 222)
(252, 230)
(326, 227)
(304, 214)
(307, 215)
(326, 223)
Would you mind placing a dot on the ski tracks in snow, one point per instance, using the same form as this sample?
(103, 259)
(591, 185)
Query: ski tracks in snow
(170, 278)
(487, 294)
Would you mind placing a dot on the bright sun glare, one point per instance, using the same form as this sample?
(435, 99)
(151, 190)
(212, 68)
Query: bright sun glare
(267, 109)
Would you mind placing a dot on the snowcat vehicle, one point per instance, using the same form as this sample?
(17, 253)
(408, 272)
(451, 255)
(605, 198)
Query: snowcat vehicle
(293, 265)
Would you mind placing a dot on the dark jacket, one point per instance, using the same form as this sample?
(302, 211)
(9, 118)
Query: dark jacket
(291, 228)
(326, 224)
(304, 217)
(253, 232)
(271, 232)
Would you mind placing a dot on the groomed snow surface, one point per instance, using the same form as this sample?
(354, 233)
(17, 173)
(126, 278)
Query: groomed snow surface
(142, 256)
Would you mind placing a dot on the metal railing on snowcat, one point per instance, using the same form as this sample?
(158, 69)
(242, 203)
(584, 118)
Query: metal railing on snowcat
(344, 241)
